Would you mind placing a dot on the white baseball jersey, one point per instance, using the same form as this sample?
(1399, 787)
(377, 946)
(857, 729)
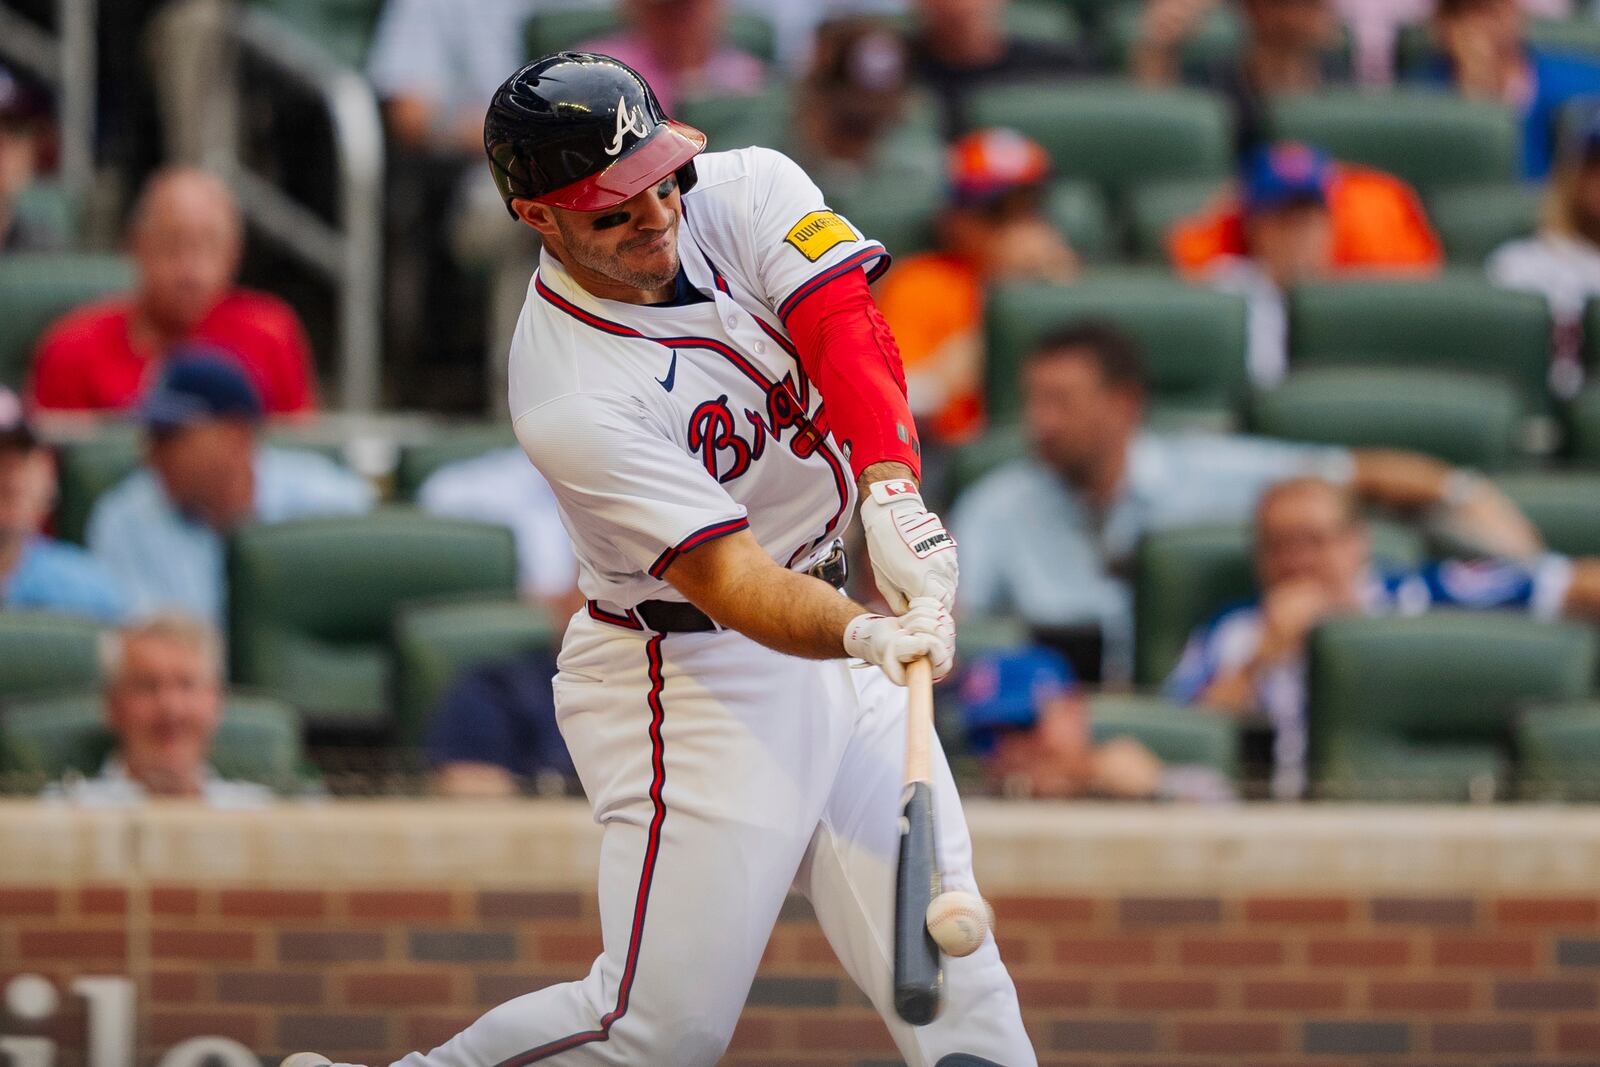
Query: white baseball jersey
(663, 427)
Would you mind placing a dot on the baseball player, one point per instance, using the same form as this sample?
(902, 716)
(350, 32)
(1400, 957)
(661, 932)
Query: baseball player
(702, 377)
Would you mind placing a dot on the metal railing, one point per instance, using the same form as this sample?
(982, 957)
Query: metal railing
(349, 253)
(65, 60)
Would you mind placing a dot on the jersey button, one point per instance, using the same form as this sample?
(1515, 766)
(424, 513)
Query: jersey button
(761, 346)
(733, 322)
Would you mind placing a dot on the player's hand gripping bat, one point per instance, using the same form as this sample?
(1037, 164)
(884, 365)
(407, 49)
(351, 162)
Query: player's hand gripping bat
(918, 978)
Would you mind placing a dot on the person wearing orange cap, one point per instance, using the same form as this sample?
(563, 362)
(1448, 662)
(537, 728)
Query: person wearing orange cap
(993, 229)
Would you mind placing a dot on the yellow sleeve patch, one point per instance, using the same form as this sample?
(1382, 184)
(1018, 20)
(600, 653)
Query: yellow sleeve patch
(818, 232)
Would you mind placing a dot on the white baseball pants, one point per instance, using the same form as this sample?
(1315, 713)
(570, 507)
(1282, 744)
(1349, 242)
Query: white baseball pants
(725, 774)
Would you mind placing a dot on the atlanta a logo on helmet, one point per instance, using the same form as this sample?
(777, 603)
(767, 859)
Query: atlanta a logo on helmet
(629, 120)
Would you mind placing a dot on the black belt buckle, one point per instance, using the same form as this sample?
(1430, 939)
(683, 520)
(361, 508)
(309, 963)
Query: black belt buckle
(834, 568)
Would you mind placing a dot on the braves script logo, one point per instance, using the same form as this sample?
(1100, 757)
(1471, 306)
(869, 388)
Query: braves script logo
(713, 430)
(629, 120)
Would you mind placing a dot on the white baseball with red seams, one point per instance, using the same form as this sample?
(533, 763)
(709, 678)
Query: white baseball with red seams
(724, 773)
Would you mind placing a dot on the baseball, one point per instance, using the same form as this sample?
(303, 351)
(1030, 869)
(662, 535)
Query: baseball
(959, 922)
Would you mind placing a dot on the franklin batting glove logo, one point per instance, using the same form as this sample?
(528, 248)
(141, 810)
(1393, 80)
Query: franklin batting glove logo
(928, 544)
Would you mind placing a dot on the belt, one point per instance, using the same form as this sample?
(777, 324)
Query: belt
(676, 617)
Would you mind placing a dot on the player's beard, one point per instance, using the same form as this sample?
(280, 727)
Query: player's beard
(611, 263)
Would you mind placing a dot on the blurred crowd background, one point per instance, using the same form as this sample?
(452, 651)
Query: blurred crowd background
(1255, 343)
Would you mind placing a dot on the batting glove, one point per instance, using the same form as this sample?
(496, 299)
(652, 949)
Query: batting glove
(912, 553)
(890, 641)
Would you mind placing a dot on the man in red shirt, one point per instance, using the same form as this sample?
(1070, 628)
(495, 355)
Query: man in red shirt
(186, 238)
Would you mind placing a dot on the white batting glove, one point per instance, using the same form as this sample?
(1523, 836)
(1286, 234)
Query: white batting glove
(912, 553)
(891, 641)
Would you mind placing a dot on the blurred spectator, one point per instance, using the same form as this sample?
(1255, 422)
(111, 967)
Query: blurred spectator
(496, 725)
(186, 238)
(503, 487)
(1028, 720)
(163, 701)
(1299, 216)
(1313, 561)
(993, 229)
(851, 132)
(162, 531)
(680, 48)
(1562, 262)
(24, 133)
(1486, 58)
(1374, 24)
(39, 572)
(1288, 48)
(962, 45)
(1051, 537)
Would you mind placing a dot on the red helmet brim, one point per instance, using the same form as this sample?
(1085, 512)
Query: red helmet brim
(670, 147)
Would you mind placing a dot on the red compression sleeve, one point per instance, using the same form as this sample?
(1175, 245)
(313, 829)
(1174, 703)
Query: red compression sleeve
(847, 349)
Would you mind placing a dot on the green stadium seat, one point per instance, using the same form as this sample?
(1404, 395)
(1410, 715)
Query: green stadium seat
(557, 29)
(1422, 708)
(741, 120)
(1153, 208)
(1430, 138)
(38, 288)
(43, 652)
(418, 462)
(999, 445)
(1558, 752)
(1043, 20)
(1182, 577)
(343, 27)
(1583, 426)
(1460, 418)
(52, 206)
(1591, 338)
(1193, 338)
(435, 642)
(1450, 323)
(1174, 733)
(1078, 209)
(312, 603)
(1565, 506)
(1474, 220)
(258, 739)
(1115, 133)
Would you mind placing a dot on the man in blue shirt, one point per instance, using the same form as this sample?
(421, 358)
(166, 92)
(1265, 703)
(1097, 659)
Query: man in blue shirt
(162, 531)
(1486, 58)
(1051, 537)
(1313, 559)
(38, 572)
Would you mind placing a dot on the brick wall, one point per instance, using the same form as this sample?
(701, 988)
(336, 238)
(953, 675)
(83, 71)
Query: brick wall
(1126, 980)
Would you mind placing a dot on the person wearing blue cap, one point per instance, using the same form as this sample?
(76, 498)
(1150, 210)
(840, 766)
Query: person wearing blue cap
(1562, 261)
(162, 531)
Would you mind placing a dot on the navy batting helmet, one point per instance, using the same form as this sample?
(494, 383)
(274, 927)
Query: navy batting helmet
(585, 132)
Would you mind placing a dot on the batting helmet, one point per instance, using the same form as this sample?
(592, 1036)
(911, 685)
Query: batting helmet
(583, 131)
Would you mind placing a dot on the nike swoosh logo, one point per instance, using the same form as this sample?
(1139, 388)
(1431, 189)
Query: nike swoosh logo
(672, 373)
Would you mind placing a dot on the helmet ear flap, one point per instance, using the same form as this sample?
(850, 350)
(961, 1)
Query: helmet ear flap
(686, 177)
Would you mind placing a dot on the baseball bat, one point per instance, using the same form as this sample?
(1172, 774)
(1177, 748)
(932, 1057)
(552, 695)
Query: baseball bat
(918, 978)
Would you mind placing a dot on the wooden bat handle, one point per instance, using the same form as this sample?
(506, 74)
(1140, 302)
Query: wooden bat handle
(919, 720)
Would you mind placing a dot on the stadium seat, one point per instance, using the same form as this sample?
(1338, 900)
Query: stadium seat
(1452, 323)
(1079, 211)
(1565, 506)
(1000, 444)
(1474, 220)
(1193, 338)
(1182, 577)
(38, 288)
(741, 120)
(1422, 708)
(1043, 20)
(1558, 752)
(1583, 426)
(1153, 208)
(1219, 36)
(257, 741)
(312, 603)
(1430, 138)
(1465, 419)
(43, 652)
(52, 206)
(1115, 133)
(559, 28)
(1591, 339)
(1174, 733)
(435, 642)
(417, 462)
(343, 27)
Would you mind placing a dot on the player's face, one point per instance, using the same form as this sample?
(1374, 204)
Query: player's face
(164, 706)
(1306, 534)
(634, 243)
(1075, 419)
